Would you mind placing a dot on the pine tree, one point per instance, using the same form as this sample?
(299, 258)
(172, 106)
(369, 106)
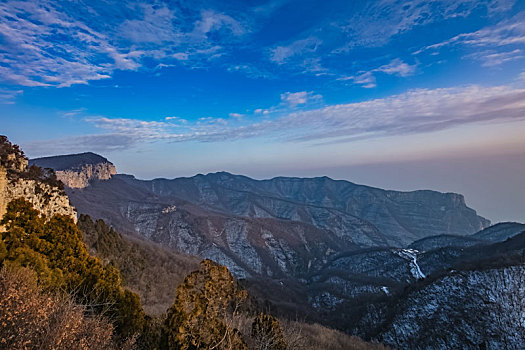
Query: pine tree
(205, 301)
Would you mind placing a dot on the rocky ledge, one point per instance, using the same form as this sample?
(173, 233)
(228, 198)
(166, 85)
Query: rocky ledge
(77, 170)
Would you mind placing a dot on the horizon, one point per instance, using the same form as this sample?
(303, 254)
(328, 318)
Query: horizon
(401, 95)
(362, 179)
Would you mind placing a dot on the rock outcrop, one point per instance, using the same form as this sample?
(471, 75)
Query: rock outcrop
(38, 187)
(77, 170)
(47, 199)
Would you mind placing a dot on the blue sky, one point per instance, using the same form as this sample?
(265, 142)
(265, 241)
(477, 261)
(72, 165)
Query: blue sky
(267, 88)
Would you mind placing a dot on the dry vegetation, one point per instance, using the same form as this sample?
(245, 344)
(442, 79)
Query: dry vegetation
(316, 337)
(32, 319)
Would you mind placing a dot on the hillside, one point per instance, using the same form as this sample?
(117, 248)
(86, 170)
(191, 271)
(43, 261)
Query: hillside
(148, 269)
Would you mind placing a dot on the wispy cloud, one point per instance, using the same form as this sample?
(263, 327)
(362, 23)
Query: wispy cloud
(492, 46)
(252, 71)
(416, 111)
(282, 54)
(47, 43)
(367, 79)
(8, 96)
(490, 58)
(293, 99)
(380, 20)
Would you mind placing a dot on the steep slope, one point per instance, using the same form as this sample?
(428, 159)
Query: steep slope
(40, 188)
(400, 217)
(469, 310)
(248, 246)
(148, 269)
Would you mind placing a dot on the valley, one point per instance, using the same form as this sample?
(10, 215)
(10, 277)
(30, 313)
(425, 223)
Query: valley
(356, 257)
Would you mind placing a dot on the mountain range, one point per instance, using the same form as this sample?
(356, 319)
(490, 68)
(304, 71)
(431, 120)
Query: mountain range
(371, 262)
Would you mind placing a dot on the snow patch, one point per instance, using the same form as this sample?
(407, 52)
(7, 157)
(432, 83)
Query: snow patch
(411, 256)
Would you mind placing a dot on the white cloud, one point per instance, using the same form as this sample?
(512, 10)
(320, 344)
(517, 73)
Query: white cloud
(47, 43)
(368, 80)
(213, 21)
(236, 115)
(281, 54)
(155, 26)
(397, 67)
(413, 112)
(8, 97)
(293, 99)
(30, 59)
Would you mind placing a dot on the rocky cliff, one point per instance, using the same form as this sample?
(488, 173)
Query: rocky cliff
(77, 170)
(47, 199)
(36, 186)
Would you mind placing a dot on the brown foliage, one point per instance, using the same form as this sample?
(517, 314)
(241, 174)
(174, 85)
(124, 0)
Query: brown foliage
(32, 319)
(267, 333)
(306, 336)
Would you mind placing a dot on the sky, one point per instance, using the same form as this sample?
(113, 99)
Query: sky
(403, 95)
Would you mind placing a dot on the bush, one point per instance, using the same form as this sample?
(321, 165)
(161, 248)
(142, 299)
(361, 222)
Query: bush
(32, 319)
(55, 251)
(267, 333)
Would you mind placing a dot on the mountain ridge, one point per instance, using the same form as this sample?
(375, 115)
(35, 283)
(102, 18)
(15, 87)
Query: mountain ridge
(274, 227)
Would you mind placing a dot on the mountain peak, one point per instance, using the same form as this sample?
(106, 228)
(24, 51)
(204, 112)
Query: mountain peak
(77, 170)
(69, 161)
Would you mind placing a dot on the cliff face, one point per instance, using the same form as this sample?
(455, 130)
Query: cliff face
(49, 200)
(3, 185)
(38, 187)
(80, 178)
(77, 170)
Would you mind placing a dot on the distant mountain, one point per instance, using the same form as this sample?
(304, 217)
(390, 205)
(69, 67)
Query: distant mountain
(500, 231)
(77, 170)
(491, 234)
(398, 218)
(277, 227)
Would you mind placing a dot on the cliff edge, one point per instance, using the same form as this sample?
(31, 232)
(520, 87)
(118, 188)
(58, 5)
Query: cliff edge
(77, 170)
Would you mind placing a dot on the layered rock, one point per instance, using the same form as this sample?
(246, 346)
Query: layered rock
(38, 187)
(47, 199)
(77, 170)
